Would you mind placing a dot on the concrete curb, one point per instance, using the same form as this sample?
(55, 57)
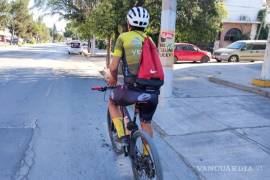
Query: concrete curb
(102, 73)
(240, 86)
(261, 83)
(96, 55)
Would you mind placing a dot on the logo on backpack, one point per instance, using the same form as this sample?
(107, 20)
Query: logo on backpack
(153, 71)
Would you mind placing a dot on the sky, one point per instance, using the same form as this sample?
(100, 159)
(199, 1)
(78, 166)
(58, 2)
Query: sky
(50, 20)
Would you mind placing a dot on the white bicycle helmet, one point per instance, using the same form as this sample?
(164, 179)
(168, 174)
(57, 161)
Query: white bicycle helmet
(138, 17)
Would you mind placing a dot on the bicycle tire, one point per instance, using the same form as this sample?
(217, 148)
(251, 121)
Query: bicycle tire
(153, 151)
(112, 133)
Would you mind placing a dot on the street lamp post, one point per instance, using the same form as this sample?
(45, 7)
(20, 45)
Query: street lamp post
(166, 44)
(264, 80)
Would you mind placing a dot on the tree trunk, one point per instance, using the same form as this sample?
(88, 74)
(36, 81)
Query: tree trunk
(89, 45)
(116, 34)
(109, 47)
(259, 31)
(93, 46)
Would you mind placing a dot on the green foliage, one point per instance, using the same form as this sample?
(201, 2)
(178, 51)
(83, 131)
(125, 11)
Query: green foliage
(77, 12)
(101, 44)
(102, 20)
(69, 31)
(59, 38)
(108, 19)
(15, 16)
(20, 18)
(262, 32)
(4, 13)
(40, 31)
(199, 21)
(22, 24)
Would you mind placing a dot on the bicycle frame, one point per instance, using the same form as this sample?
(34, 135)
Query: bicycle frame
(131, 125)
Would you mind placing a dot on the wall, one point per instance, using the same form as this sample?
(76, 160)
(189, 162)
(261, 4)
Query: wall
(244, 27)
(237, 8)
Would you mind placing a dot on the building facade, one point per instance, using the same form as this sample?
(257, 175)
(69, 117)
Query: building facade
(241, 21)
(5, 35)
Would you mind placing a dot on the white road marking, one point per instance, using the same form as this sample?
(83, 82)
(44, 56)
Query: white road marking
(49, 89)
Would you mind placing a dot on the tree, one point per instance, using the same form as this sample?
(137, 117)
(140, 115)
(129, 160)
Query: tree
(69, 31)
(76, 11)
(21, 20)
(199, 21)
(54, 33)
(40, 31)
(15, 15)
(108, 19)
(263, 30)
(4, 13)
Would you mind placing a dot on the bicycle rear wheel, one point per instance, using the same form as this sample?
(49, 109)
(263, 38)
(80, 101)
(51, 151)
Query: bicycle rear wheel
(116, 146)
(144, 166)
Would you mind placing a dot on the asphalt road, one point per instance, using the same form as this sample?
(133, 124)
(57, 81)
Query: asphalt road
(51, 125)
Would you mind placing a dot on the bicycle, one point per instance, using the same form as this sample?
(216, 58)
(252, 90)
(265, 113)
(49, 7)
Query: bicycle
(147, 166)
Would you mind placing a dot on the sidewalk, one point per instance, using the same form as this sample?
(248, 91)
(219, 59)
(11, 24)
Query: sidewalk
(219, 132)
(240, 77)
(98, 53)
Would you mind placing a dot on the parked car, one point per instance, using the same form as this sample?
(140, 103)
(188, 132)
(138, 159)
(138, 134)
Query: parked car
(244, 50)
(190, 52)
(75, 48)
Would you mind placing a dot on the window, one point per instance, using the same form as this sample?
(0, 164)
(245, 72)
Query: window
(233, 35)
(236, 45)
(75, 45)
(188, 48)
(259, 47)
(179, 47)
(249, 47)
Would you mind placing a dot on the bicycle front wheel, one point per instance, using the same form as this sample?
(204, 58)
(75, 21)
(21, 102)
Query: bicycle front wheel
(145, 161)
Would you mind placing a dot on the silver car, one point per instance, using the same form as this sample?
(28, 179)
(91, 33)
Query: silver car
(244, 50)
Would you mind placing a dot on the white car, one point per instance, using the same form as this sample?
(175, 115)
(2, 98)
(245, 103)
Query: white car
(75, 48)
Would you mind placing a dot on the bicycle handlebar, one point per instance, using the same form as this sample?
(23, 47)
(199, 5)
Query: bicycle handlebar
(102, 88)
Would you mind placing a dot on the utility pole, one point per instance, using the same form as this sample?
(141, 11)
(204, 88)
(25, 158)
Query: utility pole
(166, 44)
(264, 80)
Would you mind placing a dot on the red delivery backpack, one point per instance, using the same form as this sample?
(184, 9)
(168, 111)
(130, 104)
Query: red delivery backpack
(150, 72)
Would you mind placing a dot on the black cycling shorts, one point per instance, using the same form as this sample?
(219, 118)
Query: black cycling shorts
(147, 102)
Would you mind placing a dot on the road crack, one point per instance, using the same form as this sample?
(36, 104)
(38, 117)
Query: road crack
(28, 160)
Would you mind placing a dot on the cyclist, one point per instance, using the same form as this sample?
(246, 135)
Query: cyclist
(129, 46)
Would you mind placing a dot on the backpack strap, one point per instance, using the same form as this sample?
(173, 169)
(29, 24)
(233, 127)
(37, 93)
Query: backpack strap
(129, 78)
(125, 64)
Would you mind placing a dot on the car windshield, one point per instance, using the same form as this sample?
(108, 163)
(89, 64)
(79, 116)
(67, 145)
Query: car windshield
(75, 45)
(236, 45)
